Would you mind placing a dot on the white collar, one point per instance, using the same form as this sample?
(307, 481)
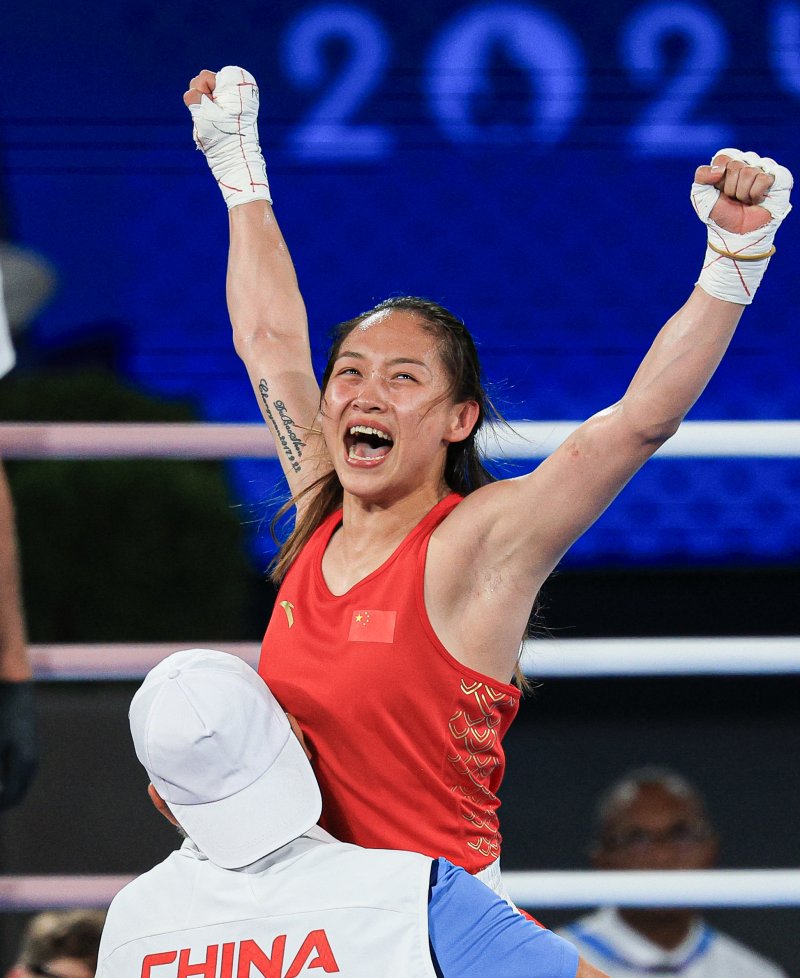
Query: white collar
(636, 949)
(314, 834)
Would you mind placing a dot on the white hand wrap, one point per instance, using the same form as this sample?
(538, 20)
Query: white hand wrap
(736, 279)
(226, 132)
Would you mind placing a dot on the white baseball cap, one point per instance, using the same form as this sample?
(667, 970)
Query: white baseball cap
(219, 750)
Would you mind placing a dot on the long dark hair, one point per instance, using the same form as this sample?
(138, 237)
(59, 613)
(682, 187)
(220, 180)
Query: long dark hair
(464, 470)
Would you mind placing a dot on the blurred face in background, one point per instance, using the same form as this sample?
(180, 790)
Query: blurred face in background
(656, 829)
(60, 944)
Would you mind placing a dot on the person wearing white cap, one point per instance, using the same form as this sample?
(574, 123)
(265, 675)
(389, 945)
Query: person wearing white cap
(258, 889)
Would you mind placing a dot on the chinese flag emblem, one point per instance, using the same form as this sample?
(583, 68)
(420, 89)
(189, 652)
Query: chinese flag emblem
(372, 626)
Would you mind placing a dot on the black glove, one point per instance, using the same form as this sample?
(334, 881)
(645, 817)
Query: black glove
(18, 755)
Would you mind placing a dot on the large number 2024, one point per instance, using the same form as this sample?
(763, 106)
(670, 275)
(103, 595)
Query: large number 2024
(546, 52)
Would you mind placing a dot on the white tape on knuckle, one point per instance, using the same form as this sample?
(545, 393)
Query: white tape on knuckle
(229, 75)
(704, 197)
(777, 209)
(753, 159)
(784, 181)
(206, 108)
(734, 154)
(777, 199)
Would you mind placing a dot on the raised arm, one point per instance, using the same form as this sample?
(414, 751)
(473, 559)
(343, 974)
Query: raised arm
(736, 198)
(520, 528)
(270, 331)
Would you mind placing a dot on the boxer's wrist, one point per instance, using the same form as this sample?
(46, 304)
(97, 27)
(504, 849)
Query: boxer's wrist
(241, 175)
(734, 264)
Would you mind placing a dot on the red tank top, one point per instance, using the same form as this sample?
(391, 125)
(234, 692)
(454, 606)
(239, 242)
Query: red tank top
(406, 741)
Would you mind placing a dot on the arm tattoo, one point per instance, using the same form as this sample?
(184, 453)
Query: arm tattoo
(291, 443)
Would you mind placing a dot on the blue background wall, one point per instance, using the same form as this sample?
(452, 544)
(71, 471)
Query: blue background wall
(526, 164)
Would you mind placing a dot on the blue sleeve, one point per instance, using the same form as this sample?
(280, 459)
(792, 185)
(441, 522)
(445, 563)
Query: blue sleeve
(473, 933)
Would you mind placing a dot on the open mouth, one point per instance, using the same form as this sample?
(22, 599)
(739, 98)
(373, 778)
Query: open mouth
(367, 443)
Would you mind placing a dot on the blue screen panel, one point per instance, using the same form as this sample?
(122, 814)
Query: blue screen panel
(528, 165)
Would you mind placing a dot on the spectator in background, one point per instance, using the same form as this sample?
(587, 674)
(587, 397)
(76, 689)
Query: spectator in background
(60, 944)
(654, 819)
(17, 720)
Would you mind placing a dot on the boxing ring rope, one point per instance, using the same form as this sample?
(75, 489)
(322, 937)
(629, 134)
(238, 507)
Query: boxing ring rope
(675, 888)
(541, 659)
(523, 439)
(548, 889)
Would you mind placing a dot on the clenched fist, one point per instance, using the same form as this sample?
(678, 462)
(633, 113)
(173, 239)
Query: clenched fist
(742, 198)
(224, 108)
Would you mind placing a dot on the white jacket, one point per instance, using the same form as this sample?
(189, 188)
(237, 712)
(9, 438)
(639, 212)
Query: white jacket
(315, 904)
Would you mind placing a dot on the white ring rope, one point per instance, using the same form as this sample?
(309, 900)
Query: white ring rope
(694, 439)
(581, 888)
(23, 893)
(542, 658)
(575, 658)
(529, 439)
(119, 661)
(663, 888)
